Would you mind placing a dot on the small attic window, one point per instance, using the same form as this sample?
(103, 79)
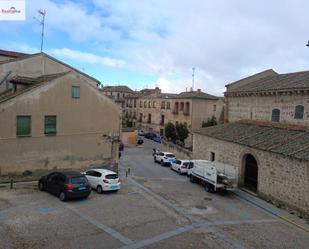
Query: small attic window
(75, 92)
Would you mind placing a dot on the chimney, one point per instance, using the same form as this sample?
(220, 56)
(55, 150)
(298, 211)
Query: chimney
(199, 90)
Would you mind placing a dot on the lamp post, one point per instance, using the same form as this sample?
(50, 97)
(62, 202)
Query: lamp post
(307, 44)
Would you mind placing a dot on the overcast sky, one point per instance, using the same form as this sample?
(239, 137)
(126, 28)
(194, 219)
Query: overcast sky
(144, 43)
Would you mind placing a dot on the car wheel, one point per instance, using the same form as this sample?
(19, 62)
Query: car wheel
(208, 187)
(41, 186)
(192, 179)
(155, 159)
(62, 196)
(100, 189)
(162, 163)
(179, 172)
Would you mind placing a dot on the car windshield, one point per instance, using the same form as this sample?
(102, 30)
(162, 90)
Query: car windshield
(186, 164)
(170, 155)
(78, 180)
(111, 176)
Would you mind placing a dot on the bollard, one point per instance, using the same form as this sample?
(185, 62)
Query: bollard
(12, 183)
(129, 171)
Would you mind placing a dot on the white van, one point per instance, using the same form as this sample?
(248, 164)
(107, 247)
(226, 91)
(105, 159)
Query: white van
(213, 175)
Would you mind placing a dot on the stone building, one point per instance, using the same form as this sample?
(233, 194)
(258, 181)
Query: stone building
(52, 116)
(266, 137)
(119, 95)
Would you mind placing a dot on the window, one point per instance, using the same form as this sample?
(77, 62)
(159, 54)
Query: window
(162, 105)
(145, 104)
(275, 115)
(212, 156)
(149, 104)
(118, 95)
(299, 112)
(182, 106)
(111, 176)
(75, 92)
(141, 104)
(214, 108)
(154, 104)
(50, 126)
(23, 125)
(168, 105)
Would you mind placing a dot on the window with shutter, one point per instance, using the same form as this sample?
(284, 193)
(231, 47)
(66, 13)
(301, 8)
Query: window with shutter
(23, 125)
(50, 126)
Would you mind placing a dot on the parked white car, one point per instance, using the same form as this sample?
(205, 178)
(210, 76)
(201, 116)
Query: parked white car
(181, 166)
(165, 158)
(103, 179)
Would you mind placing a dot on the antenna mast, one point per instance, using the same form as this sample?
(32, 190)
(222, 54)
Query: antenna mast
(193, 72)
(42, 14)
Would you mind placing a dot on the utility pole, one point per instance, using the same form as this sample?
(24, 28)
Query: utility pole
(113, 139)
(193, 72)
(41, 21)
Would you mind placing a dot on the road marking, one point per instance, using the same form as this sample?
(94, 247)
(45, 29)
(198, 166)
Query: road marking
(101, 226)
(208, 225)
(220, 233)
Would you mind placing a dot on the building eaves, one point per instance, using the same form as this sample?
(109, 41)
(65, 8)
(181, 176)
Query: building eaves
(195, 95)
(12, 54)
(278, 82)
(288, 141)
(30, 83)
(52, 58)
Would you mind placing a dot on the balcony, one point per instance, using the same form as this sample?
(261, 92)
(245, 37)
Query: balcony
(187, 113)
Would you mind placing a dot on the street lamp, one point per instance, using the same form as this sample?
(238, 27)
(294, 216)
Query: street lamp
(307, 44)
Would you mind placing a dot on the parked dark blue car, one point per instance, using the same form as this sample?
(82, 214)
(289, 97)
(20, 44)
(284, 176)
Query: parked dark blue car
(157, 139)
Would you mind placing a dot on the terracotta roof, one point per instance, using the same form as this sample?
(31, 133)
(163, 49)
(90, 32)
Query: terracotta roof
(289, 81)
(195, 95)
(117, 89)
(288, 141)
(30, 83)
(12, 54)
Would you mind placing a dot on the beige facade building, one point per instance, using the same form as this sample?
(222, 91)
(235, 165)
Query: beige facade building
(266, 137)
(119, 94)
(150, 109)
(53, 116)
(190, 108)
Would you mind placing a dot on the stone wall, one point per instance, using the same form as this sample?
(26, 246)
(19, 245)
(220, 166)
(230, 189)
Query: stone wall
(181, 153)
(260, 108)
(282, 180)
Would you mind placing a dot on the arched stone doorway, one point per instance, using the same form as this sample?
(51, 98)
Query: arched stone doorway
(250, 173)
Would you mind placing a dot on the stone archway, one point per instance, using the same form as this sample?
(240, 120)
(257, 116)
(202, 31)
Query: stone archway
(250, 172)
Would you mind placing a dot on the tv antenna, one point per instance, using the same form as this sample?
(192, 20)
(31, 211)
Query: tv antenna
(193, 74)
(41, 21)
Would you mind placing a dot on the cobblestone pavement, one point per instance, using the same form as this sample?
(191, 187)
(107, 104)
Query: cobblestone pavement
(155, 208)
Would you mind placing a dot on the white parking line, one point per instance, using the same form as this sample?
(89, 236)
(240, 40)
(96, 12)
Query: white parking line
(101, 226)
(218, 232)
(208, 225)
